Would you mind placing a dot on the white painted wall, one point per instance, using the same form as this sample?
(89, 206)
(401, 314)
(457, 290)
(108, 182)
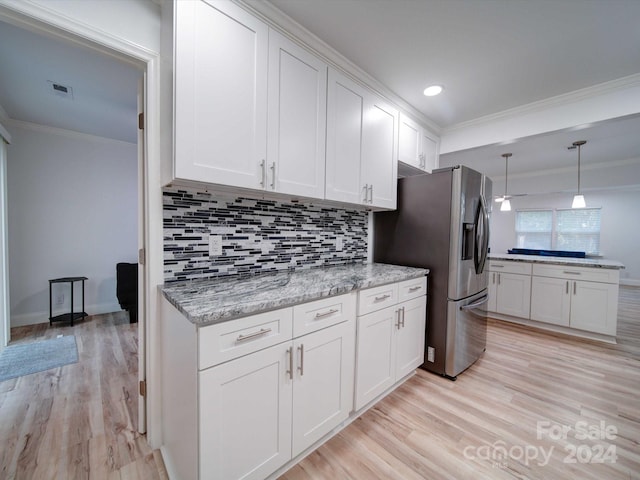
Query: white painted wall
(619, 234)
(72, 209)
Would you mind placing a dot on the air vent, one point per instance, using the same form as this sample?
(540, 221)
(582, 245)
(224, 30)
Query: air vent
(59, 90)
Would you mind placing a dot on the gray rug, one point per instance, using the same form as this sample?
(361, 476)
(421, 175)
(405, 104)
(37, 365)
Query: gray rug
(27, 358)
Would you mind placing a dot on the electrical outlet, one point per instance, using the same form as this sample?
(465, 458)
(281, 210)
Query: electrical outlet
(59, 300)
(339, 244)
(431, 354)
(215, 245)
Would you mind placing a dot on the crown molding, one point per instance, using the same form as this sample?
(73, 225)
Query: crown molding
(35, 127)
(279, 20)
(619, 84)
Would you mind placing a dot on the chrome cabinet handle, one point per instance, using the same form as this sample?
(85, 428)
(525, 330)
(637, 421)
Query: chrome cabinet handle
(262, 331)
(498, 279)
(366, 192)
(397, 325)
(571, 273)
(567, 289)
(301, 367)
(327, 313)
(402, 309)
(382, 297)
(497, 266)
(493, 279)
(290, 371)
(574, 288)
(264, 172)
(413, 289)
(371, 193)
(273, 175)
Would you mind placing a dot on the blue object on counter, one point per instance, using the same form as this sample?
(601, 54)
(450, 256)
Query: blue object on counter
(546, 253)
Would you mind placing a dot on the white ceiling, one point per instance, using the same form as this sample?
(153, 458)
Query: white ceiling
(104, 89)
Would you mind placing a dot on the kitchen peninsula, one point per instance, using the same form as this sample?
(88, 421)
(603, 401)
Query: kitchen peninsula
(258, 371)
(575, 296)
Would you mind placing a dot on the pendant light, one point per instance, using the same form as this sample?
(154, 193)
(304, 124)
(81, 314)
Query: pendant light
(578, 199)
(506, 204)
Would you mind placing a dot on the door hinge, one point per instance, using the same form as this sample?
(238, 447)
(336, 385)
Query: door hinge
(141, 256)
(141, 121)
(143, 388)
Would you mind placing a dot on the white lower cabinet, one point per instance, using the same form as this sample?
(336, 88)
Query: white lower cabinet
(590, 306)
(390, 345)
(243, 398)
(574, 298)
(259, 411)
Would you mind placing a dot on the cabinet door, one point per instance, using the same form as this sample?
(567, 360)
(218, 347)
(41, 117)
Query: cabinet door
(323, 385)
(345, 106)
(429, 152)
(379, 145)
(594, 307)
(492, 303)
(409, 137)
(514, 294)
(245, 416)
(550, 300)
(410, 336)
(375, 354)
(297, 117)
(220, 94)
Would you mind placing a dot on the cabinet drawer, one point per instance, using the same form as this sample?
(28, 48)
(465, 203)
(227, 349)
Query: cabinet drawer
(228, 340)
(376, 298)
(412, 289)
(603, 275)
(523, 268)
(313, 316)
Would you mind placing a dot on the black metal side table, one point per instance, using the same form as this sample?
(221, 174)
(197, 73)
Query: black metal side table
(67, 317)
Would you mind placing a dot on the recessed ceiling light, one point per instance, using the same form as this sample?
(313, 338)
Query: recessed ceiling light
(433, 90)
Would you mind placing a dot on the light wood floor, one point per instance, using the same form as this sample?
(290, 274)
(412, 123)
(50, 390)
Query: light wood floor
(78, 421)
(424, 428)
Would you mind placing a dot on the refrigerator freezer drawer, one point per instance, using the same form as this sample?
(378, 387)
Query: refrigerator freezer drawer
(466, 333)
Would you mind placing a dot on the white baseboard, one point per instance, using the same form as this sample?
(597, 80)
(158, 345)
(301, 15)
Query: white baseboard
(43, 317)
(630, 282)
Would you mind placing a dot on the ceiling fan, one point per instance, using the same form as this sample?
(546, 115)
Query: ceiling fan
(504, 199)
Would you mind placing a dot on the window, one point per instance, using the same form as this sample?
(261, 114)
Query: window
(534, 229)
(571, 229)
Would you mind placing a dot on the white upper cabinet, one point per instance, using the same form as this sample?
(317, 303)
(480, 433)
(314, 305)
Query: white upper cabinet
(361, 145)
(296, 119)
(417, 146)
(220, 93)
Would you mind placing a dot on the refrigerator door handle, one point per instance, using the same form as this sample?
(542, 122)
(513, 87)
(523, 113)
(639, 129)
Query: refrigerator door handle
(484, 299)
(482, 236)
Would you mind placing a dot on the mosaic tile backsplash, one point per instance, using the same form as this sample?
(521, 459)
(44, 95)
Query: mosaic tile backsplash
(257, 235)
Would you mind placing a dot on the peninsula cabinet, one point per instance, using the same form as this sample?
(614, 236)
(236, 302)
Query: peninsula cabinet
(580, 298)
(509, 288)
(391, 339)
(362, 136)
(250, 104)
(416, 145)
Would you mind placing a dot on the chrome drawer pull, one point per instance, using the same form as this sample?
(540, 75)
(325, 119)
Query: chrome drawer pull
(262, 331)
(413, 289)
(382, 297)
(497, 266)
(571, 273)
(326, 314)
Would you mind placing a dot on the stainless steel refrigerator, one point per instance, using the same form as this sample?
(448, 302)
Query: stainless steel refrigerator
(442, 223)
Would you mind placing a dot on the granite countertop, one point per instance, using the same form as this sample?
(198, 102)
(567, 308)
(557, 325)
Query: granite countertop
(204, 302)
(576, 262)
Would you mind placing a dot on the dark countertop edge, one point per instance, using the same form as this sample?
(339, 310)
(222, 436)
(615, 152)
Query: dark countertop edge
(253, 309)
(578, 262)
